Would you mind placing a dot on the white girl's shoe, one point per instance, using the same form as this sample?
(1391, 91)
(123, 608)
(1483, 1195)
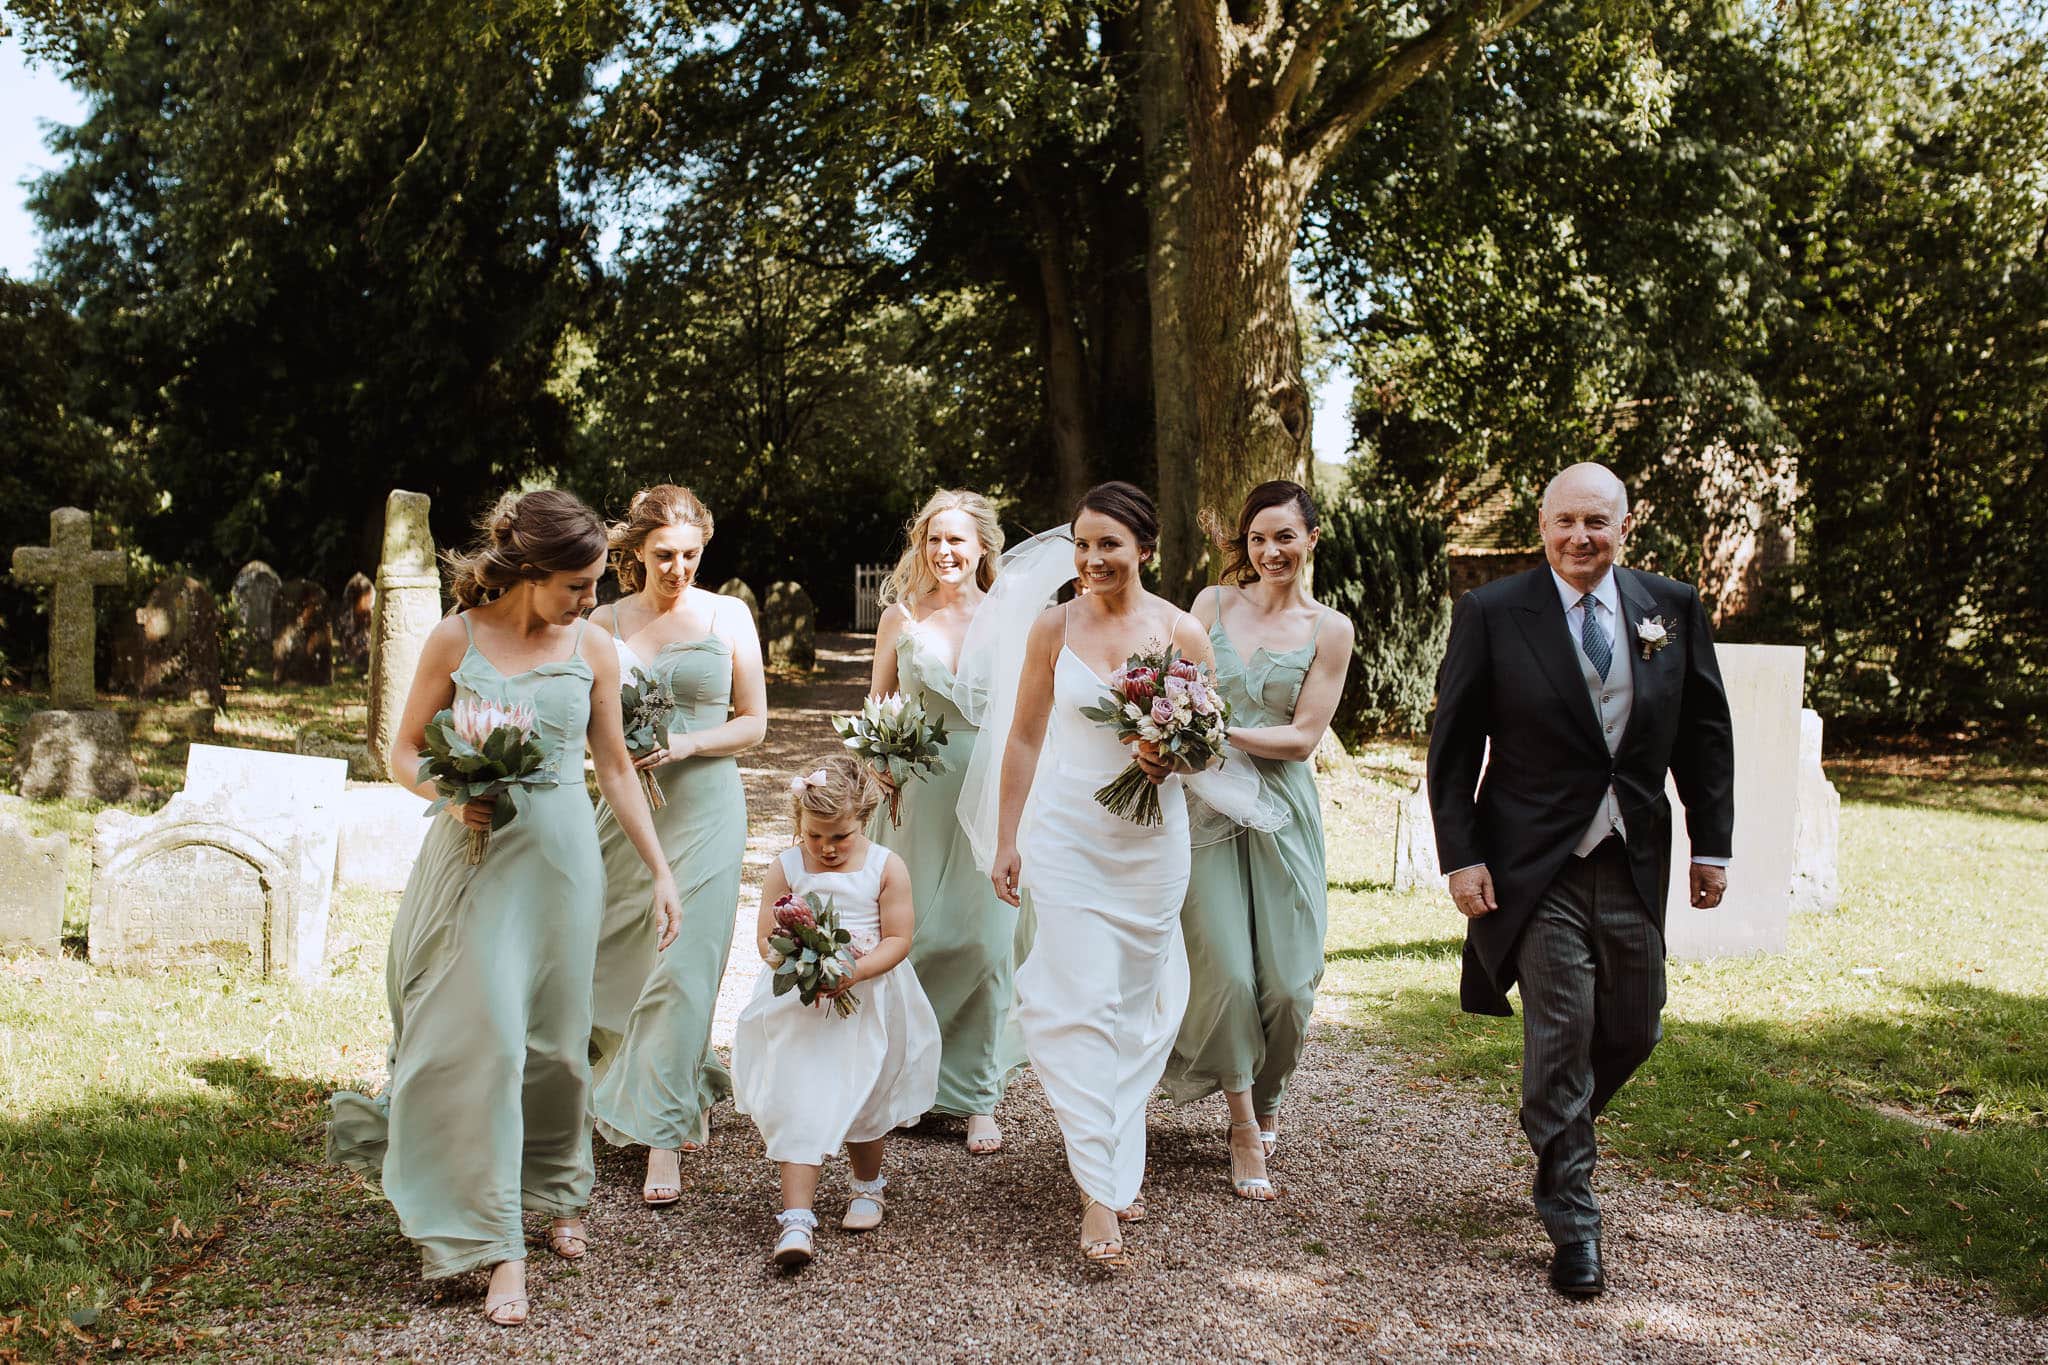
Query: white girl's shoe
(864, 1210)
(795, 1247)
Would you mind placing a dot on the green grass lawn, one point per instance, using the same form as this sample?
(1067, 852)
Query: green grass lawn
(1884, 1075)
(1888, 1070)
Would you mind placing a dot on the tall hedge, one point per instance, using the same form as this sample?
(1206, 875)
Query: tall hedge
(1386, 569)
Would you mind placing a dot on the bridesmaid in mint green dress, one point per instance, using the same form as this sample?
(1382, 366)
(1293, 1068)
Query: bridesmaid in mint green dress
(484, 1116)
(651, 1027)
(1256, 909)
(964, 951)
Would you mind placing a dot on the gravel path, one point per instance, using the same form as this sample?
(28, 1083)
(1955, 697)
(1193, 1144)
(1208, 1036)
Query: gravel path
(1403, 1232)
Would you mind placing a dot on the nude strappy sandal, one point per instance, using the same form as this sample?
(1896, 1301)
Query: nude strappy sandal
(1253, 1187)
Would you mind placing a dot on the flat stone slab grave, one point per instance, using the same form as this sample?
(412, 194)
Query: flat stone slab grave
(1764, 683)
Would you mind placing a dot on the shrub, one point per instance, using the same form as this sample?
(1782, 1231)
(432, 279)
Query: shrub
(1386, 569)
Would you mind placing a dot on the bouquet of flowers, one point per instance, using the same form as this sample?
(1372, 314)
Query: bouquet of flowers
(810, 952)
(1165, 700)
(645, 704)
(484, 748)
(898, 738)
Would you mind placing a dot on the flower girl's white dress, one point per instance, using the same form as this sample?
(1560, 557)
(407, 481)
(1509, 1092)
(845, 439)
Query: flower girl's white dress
(812, 1081)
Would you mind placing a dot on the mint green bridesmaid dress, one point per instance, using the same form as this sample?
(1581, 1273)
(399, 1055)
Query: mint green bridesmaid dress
(1256, 910)
(651, 1033)
(489, 983)
(964, 950)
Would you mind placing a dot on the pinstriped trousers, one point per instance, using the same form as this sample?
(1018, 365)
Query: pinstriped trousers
(1591, 966)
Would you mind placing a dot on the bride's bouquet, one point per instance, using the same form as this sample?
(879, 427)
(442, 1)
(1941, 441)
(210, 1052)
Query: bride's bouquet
(1166, 700)
(646, 705)
(810, 952)
(479, 748)
(898, 738)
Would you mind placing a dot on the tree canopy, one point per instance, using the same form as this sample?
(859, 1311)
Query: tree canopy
(1783, 266)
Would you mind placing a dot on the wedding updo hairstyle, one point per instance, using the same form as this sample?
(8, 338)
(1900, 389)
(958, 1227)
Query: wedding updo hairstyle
(1238, 568)
(1125, 503)
(522, 539)
(839, 786)
(665, 504)
(912, 577)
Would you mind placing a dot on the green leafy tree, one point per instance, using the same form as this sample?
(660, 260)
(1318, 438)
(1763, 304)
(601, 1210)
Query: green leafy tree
(319, 249)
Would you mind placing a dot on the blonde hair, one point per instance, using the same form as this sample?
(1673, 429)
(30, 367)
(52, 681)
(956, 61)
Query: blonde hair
(840, 786)
(522, 539)
(912, 576)
(665, 504)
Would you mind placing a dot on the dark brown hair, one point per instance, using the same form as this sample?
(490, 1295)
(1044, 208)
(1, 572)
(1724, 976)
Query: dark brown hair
(1238, 568)
(1125, 503)
(522, 539)
(665, 504)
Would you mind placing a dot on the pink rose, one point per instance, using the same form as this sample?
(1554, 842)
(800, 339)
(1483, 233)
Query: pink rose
(1162, 711)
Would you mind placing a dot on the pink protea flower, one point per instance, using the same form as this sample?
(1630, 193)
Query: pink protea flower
(791, 912)
(1184, 668)
(1140, 686)
(475, 718)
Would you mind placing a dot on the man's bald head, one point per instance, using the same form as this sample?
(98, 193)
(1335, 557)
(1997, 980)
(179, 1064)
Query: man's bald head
(1587, 481)
(1584, 520)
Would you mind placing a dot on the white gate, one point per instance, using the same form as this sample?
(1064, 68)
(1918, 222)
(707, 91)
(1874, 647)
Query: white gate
(867, 594)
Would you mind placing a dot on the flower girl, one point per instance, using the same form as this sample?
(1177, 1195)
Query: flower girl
(810, 1076)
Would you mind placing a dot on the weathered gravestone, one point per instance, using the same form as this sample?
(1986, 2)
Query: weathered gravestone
(128, 647)
(181, 642)
(302, 646)
(71, 751)
(1415, 842)
(1764, 685)
(406, 607)
(789, 627)
(236, 872)
(352, 622)
(252, 611)
(737, 587)
(31, 888)
(1816, 842)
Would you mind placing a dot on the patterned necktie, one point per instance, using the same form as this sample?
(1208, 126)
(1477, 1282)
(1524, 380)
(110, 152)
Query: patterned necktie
(1593, 639)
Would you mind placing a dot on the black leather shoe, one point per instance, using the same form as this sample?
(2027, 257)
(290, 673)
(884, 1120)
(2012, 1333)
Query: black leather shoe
(1575, 1270)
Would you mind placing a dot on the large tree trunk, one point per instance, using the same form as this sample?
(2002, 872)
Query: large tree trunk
(1176, 445)
(1069, 404)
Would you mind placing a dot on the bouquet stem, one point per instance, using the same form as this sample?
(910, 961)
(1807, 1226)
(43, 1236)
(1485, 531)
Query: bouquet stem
(895, 802)
(652, 787)
(1130, 794)
(479, 840)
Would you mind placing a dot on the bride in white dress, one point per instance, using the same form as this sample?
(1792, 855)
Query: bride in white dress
(1100, 998)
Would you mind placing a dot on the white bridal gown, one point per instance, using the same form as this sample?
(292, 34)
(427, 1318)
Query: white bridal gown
(1100, 998)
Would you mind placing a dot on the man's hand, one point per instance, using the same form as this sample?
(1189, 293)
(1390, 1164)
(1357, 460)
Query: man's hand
(1708, 885)
(1472, 891)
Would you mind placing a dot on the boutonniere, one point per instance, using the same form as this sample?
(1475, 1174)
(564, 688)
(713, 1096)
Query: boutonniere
(1653, 633)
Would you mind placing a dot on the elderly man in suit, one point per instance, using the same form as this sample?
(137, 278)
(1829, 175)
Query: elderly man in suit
(1566, 694)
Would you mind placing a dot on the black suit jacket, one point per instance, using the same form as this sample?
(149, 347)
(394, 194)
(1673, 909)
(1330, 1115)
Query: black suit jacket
(1511, 676)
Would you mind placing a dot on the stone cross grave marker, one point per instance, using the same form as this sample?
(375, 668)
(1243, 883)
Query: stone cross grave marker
(72, 569)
